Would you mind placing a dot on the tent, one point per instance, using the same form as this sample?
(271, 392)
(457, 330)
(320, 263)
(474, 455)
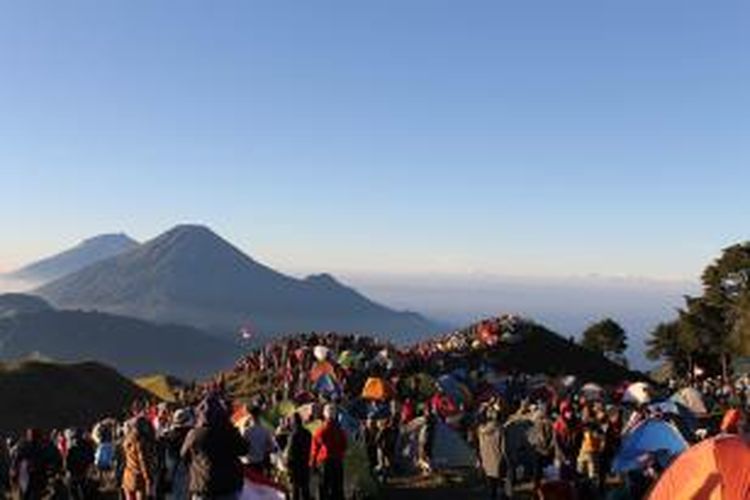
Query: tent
(319, 369)
(449, 449)
(655, 437)
(240, 415)
(637, 393)
(421, 386)
(692, 399)
(321, 352)
(327, 386)
(259, 487)
(676, 413)
(377, 389)
(455, 390)
(349, 359)
(717, 468)
(592, 391)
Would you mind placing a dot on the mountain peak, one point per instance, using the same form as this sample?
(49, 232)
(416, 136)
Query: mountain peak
(109, 238)
(323, 279)
(87, 252)
(191, 275)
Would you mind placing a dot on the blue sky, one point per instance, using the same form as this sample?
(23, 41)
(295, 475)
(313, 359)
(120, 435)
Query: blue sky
(510, 137)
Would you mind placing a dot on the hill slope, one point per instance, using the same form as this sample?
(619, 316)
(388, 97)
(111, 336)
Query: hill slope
(539, 350)
(48, 395)
(133, 346)
(13, 304)
(190, 275)
(84, 254)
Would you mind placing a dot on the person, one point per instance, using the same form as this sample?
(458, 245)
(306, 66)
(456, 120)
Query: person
(260, 443)
(489, 434)
(141, 461)
(371, 445)
(541, 439)
(177, 473)
(297, 455)
(592, 444)
(425, 441)
(78, 463)
(566, 441)
(212, 451)
(327, 452)
(386, 440)
(4, 467)
(36, 463)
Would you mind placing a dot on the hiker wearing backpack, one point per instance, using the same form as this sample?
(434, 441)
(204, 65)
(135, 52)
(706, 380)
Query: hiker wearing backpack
(176, 468)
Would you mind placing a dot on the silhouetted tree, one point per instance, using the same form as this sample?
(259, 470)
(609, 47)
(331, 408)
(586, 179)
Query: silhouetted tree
(606, 337)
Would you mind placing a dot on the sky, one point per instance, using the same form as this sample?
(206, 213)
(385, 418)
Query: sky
(529, 138)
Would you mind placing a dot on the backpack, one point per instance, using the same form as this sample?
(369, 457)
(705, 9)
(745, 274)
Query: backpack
(105, 456)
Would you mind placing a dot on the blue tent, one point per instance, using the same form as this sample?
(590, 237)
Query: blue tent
(656, 437)
(348, 423)
(327, 386)
(452, 388)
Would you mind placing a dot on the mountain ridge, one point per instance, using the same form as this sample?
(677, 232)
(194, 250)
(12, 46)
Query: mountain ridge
(190, 275)
(133, 346)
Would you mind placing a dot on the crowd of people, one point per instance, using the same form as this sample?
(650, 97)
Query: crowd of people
(315, 400)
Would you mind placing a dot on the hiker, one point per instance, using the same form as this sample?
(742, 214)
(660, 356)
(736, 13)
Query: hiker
(541, 439)
(489, 434)
(589, 455)
(566, 441)
(425, 441)
(35, 465)
(141, 461)
(371, 445)
(4, 467)
(297, 456)
(327, 455)
(260, 443)
(385, 443)
(177, 472)
(78, 463)
(212, 451)
(612, 441)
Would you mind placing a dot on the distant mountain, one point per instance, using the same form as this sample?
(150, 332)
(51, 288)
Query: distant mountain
(190, 275)
(49, 395)
(84, 254)
(133, 346)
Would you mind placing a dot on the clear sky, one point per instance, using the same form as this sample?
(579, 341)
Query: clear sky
(523, 137)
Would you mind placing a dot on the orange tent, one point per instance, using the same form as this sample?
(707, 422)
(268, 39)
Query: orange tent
(240, 416)
(321, 368)
(377, 389)
(715, 469)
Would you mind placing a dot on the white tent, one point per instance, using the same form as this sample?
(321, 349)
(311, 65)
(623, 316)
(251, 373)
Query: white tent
(449, 449)
(692, 399)
(321, 352)
(637, 393)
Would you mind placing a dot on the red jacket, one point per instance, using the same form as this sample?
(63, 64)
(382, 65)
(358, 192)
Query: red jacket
(328, 442)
